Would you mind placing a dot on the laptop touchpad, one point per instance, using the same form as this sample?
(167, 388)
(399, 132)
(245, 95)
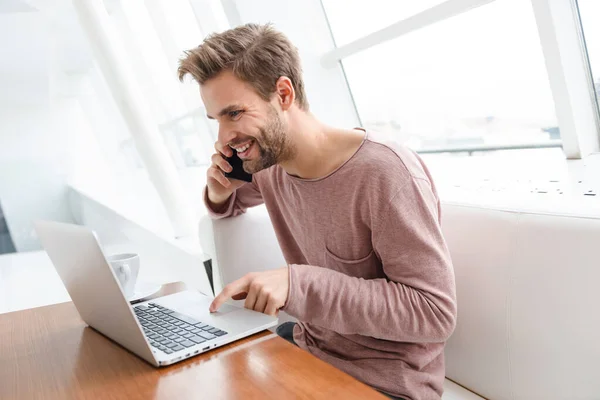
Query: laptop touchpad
(195, 307)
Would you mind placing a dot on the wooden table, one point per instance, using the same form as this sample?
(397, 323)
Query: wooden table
(49, 353)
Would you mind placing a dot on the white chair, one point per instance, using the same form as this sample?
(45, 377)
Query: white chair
(527, 295)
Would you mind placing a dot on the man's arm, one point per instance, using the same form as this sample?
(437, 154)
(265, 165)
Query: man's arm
(247, 195)
(417, 301)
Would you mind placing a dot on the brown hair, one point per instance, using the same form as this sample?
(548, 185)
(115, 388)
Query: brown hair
(257, 54)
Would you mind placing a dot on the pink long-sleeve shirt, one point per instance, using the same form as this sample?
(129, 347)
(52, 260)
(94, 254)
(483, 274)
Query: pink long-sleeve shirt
(371, 280)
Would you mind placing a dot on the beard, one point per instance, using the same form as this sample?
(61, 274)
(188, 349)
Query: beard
(273, 145)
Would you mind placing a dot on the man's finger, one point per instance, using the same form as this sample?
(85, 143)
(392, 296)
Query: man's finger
(237, 287)
(219, 161)
(251, 298)
(225, 150)
(261, 302)
(216, 174)
(271, 309)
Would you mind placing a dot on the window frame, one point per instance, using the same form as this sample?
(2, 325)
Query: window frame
(561, 36)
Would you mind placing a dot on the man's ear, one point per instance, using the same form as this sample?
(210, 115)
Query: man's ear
(284, 90)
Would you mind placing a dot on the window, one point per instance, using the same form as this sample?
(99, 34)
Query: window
(589, 11)
(352, 19)
(182, 136)
(155, 35)
(477, 79)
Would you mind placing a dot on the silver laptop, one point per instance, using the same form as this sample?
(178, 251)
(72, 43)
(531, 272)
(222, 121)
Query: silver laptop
(162, 331)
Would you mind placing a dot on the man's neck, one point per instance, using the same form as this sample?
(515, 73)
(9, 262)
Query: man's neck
(319, 149)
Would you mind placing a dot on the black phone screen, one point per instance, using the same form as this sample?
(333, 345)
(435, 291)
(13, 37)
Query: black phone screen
(238, 169)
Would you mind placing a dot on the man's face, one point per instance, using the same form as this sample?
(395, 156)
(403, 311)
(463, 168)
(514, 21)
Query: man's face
(247, 123)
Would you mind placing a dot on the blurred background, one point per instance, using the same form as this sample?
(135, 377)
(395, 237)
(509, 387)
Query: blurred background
(498, 97)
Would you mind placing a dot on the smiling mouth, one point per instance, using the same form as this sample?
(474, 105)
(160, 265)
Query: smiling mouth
(244, 149)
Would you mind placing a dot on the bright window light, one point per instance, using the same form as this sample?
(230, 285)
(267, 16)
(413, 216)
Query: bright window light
(589, 11)
(352, 19)
(475, 79)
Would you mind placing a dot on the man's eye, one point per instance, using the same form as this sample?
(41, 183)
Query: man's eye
(235, 114)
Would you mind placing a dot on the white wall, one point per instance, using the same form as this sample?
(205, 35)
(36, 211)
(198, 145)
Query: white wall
(44, 138)
(41, 148)
(24, 60)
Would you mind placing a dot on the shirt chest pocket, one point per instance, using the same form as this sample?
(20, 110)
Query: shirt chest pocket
(367, 266)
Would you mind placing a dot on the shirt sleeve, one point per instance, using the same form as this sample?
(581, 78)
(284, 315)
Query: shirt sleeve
(417, 300)
(246, 196)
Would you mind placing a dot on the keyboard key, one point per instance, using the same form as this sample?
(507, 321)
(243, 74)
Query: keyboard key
(197, 339)
(161, 331)
(214, 330)
(177, 348)
(167, 311)
(180, 339)
(154, 344)
(189, 328)
(202, 325)
(153, 336)
(197, 330)
(141, 308)
(184, 318)
(172, 344)
(178, 330)
(207, 328)
(220, 333)
(207, 335)
(187, 343)
(151, 305)
(163, 348)
(188, 335)
(164, 341)
(179, 323)
(168, 351)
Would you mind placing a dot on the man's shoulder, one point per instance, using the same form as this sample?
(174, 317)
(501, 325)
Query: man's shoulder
(268, 177)
(382, 155)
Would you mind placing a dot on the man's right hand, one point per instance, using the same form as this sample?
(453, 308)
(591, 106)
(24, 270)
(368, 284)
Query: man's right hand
(220, 188)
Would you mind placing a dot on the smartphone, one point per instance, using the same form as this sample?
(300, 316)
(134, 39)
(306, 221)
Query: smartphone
(238, 169)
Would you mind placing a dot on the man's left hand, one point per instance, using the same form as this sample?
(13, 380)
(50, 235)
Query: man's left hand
(265, 292)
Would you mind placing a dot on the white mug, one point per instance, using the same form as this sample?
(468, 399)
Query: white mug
(126, 268)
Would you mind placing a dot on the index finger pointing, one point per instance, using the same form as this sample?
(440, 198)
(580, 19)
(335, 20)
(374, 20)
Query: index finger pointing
(239, 286)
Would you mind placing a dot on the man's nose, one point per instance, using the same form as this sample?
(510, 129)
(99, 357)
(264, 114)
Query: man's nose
(225, 135)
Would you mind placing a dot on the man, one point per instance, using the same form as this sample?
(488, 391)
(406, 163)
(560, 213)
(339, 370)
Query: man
(369, 276)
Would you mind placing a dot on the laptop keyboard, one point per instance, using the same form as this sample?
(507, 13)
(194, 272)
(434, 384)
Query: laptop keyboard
(170, 331)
